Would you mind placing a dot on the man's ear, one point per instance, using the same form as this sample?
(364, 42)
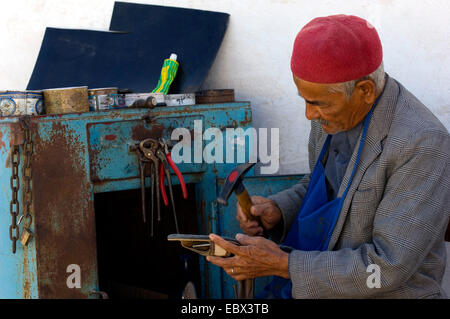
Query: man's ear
(367, 91)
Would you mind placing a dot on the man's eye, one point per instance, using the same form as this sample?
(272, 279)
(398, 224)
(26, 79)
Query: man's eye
(323, 105)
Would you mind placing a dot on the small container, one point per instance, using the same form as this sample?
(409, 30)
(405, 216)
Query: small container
(119, 101)
(101, 99)
(168, 73)
(180, 99)
(214, 96)
(16, 103)
(66, 100)
(139, 100)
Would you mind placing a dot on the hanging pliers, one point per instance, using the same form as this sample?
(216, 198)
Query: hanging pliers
(149, 148)
(166, 160)
(174, 167)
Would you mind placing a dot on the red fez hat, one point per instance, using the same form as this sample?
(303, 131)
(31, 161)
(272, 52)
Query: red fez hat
(335, 49)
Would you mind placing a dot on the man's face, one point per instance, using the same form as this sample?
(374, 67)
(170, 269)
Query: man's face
(333, 110)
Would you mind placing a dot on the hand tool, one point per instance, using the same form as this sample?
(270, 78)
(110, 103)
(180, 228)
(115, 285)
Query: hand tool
(202, 244)
(166, 159)
(234, 183)
(164, 171)
(142, 163)
(152, 195)
(149, 147)
(174, 167)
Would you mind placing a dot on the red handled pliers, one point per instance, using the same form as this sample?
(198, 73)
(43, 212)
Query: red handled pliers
(175, 169)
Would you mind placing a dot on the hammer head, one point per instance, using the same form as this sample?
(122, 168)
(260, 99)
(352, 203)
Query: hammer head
(233, 181)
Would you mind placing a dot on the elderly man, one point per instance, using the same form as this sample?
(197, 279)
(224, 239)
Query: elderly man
(378, 197)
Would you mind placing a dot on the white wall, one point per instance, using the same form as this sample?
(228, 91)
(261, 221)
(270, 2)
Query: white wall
(254, 57)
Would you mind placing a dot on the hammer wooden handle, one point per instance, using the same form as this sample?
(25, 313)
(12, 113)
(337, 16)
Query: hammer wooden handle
(246, 203)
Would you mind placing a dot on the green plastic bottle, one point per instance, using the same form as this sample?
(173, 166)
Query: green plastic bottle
(168, 73)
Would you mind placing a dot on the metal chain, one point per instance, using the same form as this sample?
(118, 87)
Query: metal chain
(14, 205)
(26, 173)
(15, 183)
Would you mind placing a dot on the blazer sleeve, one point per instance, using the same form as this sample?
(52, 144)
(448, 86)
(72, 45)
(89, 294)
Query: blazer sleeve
(410, 219)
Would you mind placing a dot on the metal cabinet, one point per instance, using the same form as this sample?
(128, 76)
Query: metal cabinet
(76, 157)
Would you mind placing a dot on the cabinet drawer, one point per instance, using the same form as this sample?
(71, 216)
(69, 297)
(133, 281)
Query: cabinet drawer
(110, 157)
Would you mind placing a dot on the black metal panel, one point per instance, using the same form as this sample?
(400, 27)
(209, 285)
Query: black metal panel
(194, 35)
(132, 59)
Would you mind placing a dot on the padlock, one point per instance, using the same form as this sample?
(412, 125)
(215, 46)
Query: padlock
(26, 236)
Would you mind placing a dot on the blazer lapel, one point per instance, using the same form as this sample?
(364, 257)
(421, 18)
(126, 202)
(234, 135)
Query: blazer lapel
(376, 133)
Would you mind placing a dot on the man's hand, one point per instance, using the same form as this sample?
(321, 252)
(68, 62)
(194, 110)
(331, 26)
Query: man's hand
(265, 209)
(257, 257)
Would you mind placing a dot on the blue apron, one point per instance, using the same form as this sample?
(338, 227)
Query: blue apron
(316, 218)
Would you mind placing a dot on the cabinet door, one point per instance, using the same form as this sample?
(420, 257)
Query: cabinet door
(229, 226)
(63, 205)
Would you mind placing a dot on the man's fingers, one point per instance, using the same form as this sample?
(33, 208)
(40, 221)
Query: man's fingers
(259, 200)
(248, 223)
(258, 231)
(228, 246)
(253, 231)
(220, 261)
(241, 216)
(258, 209)
(247, 240)
(229, 266)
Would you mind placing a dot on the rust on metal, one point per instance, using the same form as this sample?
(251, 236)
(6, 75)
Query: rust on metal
(66, 100)
(110, 137)
(141, 132)
(2, 143)
(64, 212)
(214, 96)
(26, 275)
(247, 119)
(17, 136)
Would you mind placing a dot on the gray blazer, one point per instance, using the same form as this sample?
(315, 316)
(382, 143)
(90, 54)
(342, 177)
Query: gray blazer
(394, 215)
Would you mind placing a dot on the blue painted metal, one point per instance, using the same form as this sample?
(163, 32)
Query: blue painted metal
(78, 155)
(17, 272)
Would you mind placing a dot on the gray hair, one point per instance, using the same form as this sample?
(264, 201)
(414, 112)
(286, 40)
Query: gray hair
(347, 88)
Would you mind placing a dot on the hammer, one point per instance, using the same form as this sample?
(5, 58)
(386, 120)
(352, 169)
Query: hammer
(234, 183)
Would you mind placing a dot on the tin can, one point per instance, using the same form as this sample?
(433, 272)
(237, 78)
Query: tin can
(144, 100)
(16, 103)
(138, 100)
(180, 99)
(214, 96)
(101, 99)
(119, 101)
(66, 100)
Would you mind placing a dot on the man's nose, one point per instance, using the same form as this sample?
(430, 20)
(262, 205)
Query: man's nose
(311, 112)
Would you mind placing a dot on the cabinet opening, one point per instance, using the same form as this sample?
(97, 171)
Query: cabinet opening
(131, 263)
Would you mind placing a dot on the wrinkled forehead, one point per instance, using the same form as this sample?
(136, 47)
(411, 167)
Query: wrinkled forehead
(312, 91)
